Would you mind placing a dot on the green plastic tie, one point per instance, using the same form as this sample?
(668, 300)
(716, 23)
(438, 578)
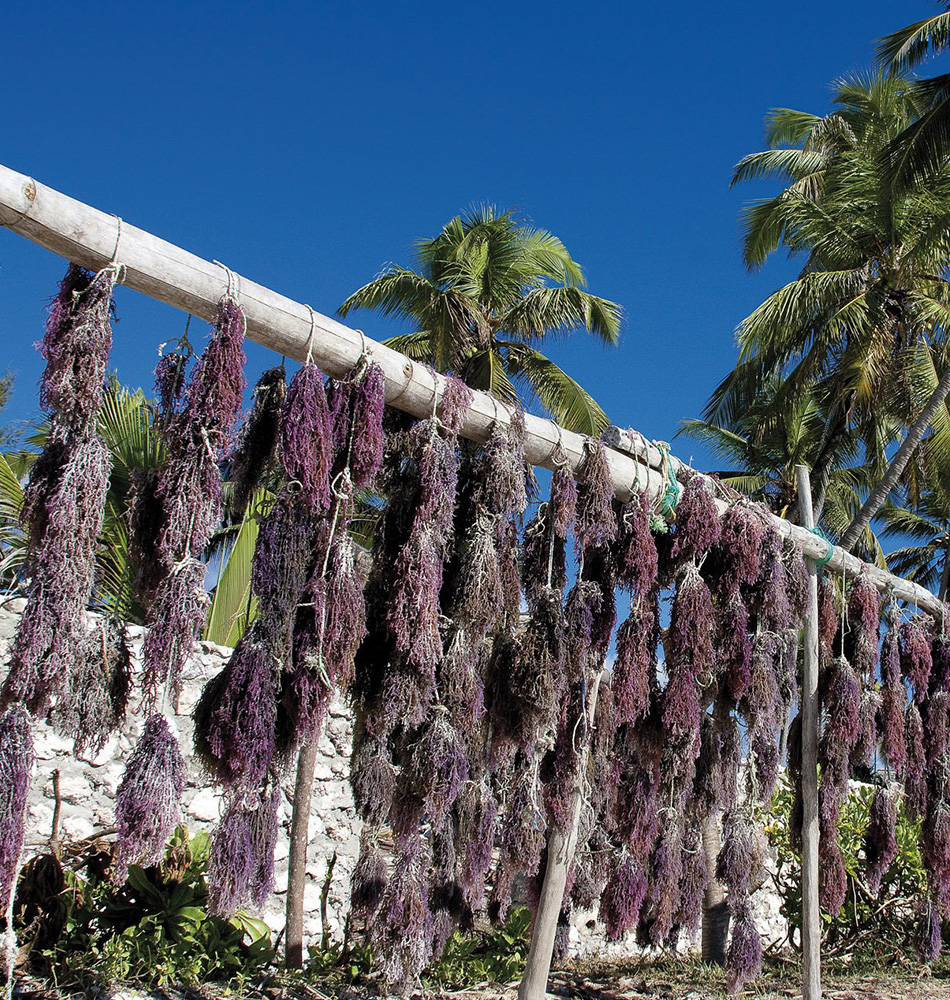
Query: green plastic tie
(820, 563)
(671, 494)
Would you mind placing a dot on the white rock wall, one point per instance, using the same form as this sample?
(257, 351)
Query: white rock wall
(88, 788)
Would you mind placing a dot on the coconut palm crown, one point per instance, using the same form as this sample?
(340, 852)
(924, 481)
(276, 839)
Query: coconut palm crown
(484, 292)
(921, 149)
(873, 291)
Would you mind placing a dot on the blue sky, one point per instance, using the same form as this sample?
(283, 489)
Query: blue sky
(307, 144)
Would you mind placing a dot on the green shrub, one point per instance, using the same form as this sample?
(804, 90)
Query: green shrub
(880, 926)
(495, 956)
(155, 929)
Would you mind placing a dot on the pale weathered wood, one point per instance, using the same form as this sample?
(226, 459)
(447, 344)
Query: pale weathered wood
(811, 545)
(180, 279)
(297, 862)
(811, 914)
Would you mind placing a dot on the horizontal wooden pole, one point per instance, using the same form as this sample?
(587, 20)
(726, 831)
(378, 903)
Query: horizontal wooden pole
(178, 278)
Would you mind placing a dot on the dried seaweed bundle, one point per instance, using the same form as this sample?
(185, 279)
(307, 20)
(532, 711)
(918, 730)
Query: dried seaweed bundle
(664, 882)
(744, 956)
(149, 796)
(175, 619)
(695, 879)
(412, 611)
(864, 620)
(698, 526)
(915, 766)
(634, 672)
(622, 898)
(241, 866)
(915, 637)
(527, 686)
(734, 646)
(737, 551)
(400, 930)
(595, 524)
(16, 773)
(306, 437)
(880, 841)
(770, 593)
(477, 812)
(95, 706)
(370, 878)
(637, 563)
(437, 764)
(691, 661)
(76, 346)
(893, 701)
(544, 562)
(61, 566)
(188, 492)
(255, 449)
(235, 719)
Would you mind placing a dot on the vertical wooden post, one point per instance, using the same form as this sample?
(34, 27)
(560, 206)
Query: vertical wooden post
(811, 914)
(715, 924)
(297, 862)
(561, 845)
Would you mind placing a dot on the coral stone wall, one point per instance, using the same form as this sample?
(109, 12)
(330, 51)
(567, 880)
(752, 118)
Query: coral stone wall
(88, 787)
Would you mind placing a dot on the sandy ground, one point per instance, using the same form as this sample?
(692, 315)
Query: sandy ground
(607, 983)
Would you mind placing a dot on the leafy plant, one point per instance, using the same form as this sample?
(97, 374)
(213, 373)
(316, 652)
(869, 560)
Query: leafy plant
(154, 929)
(496, 955)
(876, 926)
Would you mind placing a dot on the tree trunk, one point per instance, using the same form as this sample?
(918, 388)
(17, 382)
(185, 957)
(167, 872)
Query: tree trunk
(894, 471)
(715, 908)
(945, 574)
(299, 842)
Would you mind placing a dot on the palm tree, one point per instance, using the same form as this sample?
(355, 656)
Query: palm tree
(125, 423)
(8, 434)
(923, 147)
(761, 447)
(872, 295)
(925, 526)
(485, 290)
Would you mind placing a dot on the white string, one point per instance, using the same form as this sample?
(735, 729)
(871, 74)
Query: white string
(313, 325)
(232, 281)
(366, 349)
(114, 267)
(558, 448)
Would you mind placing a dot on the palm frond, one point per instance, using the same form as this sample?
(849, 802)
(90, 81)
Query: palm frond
(908, 47)
(563, 397)
(545, 311)
(232, 608)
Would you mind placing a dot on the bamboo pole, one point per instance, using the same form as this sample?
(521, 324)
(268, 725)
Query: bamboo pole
(561, 847)
(811, 914)
(178, 278)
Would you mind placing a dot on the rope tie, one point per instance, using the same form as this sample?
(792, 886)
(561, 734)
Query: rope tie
(232, 283)
(114, 267)
(820, 563)
(313, 324)
(556, 456)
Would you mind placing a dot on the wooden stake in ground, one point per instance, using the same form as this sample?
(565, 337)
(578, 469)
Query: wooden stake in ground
(297, 862)
(811, 914)
(561, 847)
